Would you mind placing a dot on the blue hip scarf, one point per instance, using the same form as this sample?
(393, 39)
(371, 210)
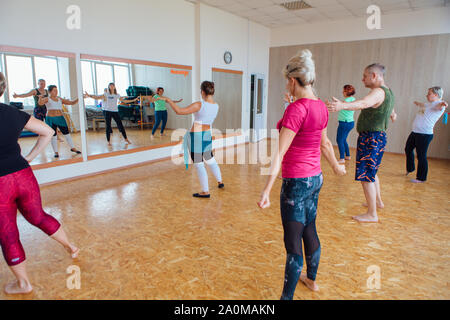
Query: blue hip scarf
(196, 142)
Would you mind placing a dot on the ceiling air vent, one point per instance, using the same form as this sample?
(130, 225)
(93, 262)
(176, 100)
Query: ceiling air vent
(295, 5)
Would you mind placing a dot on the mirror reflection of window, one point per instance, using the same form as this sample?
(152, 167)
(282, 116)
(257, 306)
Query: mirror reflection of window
(122, 79)
(104, 74)
(46, 68)
(88, 82)
(20, 78)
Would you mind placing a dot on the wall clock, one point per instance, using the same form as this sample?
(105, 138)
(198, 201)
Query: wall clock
(228, 57)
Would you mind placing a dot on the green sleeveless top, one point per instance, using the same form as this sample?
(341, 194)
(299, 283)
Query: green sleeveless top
(36, 98)
(377, 119)
(160, 105)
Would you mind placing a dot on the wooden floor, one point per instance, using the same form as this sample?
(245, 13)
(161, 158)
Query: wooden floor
(142, 236)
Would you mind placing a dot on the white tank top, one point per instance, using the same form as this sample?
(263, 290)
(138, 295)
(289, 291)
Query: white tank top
(207, 113)
(54, 105)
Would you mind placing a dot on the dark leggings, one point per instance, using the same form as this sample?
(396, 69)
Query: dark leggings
(420, 142)
(160, 116)
(20, 190)
(298, 202)
(113, 115)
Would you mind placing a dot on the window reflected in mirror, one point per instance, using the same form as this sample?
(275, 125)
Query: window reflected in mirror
(29, 77)
(122, 107)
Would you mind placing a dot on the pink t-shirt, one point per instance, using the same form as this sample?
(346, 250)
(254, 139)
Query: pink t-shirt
(307, 118)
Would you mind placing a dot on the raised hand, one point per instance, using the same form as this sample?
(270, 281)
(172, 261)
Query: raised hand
(15, 96)
(334, 105)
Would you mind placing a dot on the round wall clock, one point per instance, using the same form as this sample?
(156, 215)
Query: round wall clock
(228, 57)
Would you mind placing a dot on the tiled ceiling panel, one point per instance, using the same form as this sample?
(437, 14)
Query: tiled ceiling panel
(272, 14)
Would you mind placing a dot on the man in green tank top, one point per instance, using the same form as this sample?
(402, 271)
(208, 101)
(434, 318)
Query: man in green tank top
(376, 110)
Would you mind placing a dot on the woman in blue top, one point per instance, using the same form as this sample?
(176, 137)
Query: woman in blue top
(346, 124)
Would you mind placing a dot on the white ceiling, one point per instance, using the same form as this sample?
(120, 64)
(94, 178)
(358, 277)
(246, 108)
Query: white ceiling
(272, 15)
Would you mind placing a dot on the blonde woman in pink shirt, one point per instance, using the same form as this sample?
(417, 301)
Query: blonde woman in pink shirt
(303, 137)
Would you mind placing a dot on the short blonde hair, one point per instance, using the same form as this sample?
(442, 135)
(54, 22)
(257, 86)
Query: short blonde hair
(2, 84)
(438, 91)
(302, 68)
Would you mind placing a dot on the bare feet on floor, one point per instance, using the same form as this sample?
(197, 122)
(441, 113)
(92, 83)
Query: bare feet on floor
(14, 287)
(366, 218)
(309, 283)
(128, 141)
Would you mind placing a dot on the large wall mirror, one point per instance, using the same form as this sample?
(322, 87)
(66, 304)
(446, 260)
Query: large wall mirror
(30, 73)
(125, 112)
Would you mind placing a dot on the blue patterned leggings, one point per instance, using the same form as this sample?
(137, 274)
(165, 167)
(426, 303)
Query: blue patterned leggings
(298, 201)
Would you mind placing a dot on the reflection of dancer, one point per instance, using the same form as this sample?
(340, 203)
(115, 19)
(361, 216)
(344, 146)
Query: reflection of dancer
(346, 124)
(199, 139)
(160, 110)
(303, 136)
(40, 110)
(376, 109)
(55, 118)
(19, 190)
(422, 132)
(111, 110)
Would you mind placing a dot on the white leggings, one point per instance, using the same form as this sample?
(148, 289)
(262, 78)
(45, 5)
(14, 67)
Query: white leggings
(203, 175)
(68, 139)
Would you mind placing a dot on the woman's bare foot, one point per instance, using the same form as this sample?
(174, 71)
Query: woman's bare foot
(366, 218)
(309, 283)
(73, 251)
(341, 161)
(128, 141)
(380, 205)
(152, 137)
(14, 287)
(348, 158)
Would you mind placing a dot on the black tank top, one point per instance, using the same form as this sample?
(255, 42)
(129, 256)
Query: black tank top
(12, 122)
(36, 97)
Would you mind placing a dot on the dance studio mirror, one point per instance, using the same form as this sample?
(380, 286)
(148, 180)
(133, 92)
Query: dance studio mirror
(119, 103)
(30, 73)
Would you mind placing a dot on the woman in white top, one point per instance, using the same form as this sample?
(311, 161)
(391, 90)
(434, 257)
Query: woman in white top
(110, 100)
(422, 132)
(199, 139)
(55, 118)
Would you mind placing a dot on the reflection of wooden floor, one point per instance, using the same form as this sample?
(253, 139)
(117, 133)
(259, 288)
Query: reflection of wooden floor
(143, 236)
(97, 143)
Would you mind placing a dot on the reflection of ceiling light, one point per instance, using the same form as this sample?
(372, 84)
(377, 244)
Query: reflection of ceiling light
(295, 5)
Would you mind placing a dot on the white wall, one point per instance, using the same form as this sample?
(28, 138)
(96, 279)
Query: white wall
(154, 30)
(248, 42)
(415, 23)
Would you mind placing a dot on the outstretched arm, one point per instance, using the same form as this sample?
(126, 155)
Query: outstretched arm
(373, 100)
(25, 95)
(69, 102)
(196, 106)
(419, 104)
(441, 106)
(99, 97)
(123, 100)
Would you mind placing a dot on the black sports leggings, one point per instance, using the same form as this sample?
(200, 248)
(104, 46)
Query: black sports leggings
(113, 115)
